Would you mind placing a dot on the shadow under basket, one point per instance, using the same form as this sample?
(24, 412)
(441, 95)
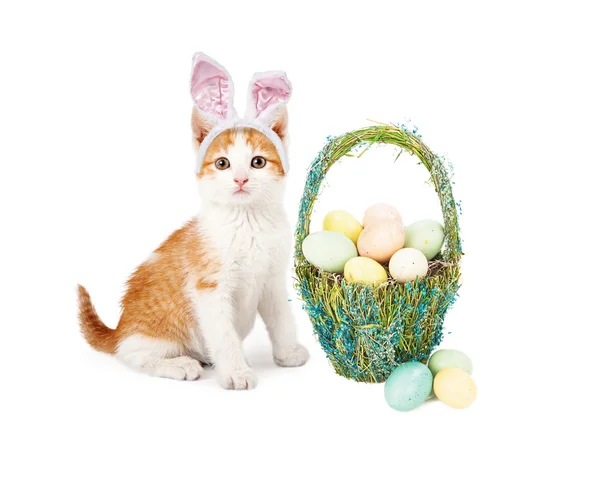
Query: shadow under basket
(367, 331)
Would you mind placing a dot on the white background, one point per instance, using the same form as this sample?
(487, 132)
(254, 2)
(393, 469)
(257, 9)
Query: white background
(97, 169)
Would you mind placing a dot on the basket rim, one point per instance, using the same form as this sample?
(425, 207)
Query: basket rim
(449, 269)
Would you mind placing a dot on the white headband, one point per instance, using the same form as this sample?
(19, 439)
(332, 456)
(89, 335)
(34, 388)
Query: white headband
(212, 91)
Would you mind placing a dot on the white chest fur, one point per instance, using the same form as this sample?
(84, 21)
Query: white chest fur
(253, 245)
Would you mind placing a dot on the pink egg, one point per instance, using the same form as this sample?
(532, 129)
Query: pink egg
(381, 212)
(381, 240)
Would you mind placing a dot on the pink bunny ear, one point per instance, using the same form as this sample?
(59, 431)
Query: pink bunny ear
(267, 91)
(211, 88)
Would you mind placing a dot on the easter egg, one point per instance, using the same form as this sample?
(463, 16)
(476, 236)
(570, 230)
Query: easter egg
(381, 240)
(455, 388)
(407, 264)
(328, 250)
(381, 212)
(408, 386)
(364, 270)
(341, 221)
(449, 358)
(427, 236)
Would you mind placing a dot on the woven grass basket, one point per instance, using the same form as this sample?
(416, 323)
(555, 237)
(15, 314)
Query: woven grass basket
(367, 331)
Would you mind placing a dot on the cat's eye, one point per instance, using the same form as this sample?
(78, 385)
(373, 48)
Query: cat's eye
(222, 164)
(258, 162)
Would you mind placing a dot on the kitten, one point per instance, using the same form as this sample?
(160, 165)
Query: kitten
(196, 297)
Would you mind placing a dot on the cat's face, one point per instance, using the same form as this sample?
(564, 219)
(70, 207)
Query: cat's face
(242, 167)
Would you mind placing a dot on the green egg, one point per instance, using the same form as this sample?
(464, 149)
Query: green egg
(427, 236)
(449, 358)
(328, 250)
(408, 386)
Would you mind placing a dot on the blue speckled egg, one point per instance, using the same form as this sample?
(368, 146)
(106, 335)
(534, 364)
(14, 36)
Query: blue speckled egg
(408, 386)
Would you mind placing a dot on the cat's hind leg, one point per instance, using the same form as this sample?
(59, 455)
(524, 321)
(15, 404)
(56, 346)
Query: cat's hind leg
(158, 358)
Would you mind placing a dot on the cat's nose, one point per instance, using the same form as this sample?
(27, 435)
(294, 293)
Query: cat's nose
(241, 181)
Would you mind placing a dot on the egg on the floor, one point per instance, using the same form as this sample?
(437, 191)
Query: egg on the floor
(449, 358)
(408, 386)
(455, 388)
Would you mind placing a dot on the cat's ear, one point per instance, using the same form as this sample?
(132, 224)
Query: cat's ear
(279, 124)
(211, 88)
(201, 127)
(267, 96)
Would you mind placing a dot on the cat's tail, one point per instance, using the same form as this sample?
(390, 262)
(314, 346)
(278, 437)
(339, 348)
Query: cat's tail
(98, 335)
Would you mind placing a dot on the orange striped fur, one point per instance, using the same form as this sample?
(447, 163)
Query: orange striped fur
(156, 304)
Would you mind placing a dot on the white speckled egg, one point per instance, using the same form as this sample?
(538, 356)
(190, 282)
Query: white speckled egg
(381, 212)
(427, 236)
(408, 264)
(328, 250)
(381, 240)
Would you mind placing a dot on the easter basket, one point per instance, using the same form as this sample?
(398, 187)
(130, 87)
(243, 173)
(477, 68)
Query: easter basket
(367, 331)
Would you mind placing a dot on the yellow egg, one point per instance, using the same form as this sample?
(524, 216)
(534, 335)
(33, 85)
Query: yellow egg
(381, 240)
(340, 221)
(455, 388)
(364, 270)
(381, 212)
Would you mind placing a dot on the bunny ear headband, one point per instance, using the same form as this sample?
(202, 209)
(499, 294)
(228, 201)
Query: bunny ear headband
(212, 91)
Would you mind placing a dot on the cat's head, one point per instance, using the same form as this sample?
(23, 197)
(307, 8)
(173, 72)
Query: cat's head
(239, 161)
(241, 165)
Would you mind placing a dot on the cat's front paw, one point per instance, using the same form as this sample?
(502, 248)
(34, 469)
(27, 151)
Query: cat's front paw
(292, 357)
(240, 379)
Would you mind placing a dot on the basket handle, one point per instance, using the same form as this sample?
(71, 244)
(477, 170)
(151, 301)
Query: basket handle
(340, 146)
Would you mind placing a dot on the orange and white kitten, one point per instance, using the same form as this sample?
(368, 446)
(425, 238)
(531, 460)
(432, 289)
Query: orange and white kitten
(196, 297)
